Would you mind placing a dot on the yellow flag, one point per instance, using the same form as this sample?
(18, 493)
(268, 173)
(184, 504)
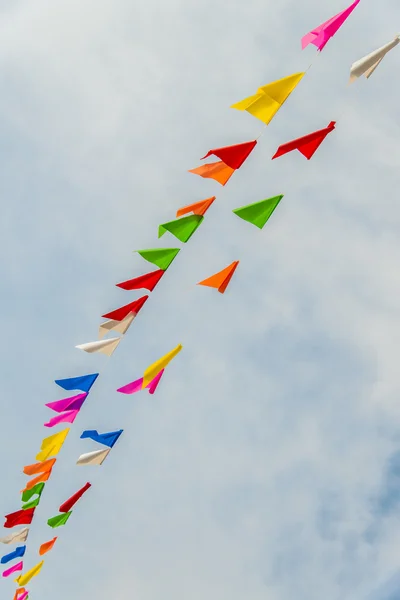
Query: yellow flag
(24, 579)
(52, 445)
(269, 98)
(153, 370)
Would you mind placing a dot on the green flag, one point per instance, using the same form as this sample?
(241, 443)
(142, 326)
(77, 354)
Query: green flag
(161, 257)
(258, 213)
(31, 504)
(37, 489)
(59, 519)
(183, 229)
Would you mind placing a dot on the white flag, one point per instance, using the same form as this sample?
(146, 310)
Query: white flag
(104, 346)
(93, 458)
(367, 65)
(118, 326)
(17, 536)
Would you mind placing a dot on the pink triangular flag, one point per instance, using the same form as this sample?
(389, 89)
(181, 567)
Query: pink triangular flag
(18, 567)
(72, 403)
(136, 386)
(320, 36)
(68, 416)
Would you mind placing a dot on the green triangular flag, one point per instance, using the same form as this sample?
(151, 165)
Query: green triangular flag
(59, 519)
(183, 229)
(161, 257)
(37, 489)
(258, 213)
(31, 504)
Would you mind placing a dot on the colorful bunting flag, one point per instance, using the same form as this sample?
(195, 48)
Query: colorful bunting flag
(21, 594)
(321, 35)
(68, 416)
(60, 406)
(47, 546)
(83, 383)
(20, 517)
(107, 439)
(37, 489)
(161, 257)
(106, 347)
(153, 370)
(24, 579)
(32, 504)
(367, 65)
(218, 171)
(136, 386)
(233, 156)
(16, 536)
(197, 208)
(147, 282)
(183, 229)
(42, 469)
(59, 520)
(17, 553)
(131, 309)
(52, 445)
(18, 567)
(118, 326)
(269, 98)
(308, 144)
(258, 213)
(221, 280)
(68, 504)
(93, 458)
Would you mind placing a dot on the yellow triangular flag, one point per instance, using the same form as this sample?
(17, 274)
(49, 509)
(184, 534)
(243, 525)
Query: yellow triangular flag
(269, 98)
(52, 445)
(153, 370)
(22, 580)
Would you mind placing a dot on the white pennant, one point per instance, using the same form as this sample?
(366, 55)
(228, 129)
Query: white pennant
(93, 458)
(367, 65)
(106, 347)
(118, 326)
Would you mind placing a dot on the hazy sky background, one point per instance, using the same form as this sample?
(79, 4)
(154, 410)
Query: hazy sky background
(267, 465)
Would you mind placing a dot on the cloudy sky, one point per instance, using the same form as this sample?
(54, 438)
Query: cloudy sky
(268, 463)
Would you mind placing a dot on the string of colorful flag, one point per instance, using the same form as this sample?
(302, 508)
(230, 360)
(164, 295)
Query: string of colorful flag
(263, 105)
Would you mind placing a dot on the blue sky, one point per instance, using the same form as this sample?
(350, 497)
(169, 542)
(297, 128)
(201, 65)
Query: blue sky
(267, 463)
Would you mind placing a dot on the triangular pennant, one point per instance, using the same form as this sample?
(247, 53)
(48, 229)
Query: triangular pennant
(136, 386)
(70, 503)
(132, 308)
(221, 280)
(71, 403)
(153, 370)
(83, 383)
(24, 579)
(118, 326)
(16, 536)
(109, 438)
(17, 553)
(161, 257)
(218, 171)
(59, 520)
(47, 546)
(147, 282)
(183, 229)
(233, 156)
(93, 458)
(308, 144)
(197, 208)
(68, 416)
(31, 503)
(258, 213)
(320, 36)
(36, 490)
(106, 347)
(367, 65)
(269, 98)
(20, 517)
(18, 567)
(52, 445)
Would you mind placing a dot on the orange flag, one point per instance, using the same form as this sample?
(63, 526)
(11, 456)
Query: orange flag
(221, 280)
(19, 592)
(43, 468)
(197, 208)
(217, 170)
(47, 546)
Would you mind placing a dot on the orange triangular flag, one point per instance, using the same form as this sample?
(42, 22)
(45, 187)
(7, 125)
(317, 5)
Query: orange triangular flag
(197, 208)
(47, 546)
(217, 170)
(19, 592)
(43, 468)
(221, 280)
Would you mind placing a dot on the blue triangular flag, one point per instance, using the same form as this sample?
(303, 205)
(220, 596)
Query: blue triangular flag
(107, 439)
(20, 551)
(83, 383)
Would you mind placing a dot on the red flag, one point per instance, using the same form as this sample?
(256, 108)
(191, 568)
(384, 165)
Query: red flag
(148, 281)
(120, 313)
(308, 144)
(21, 517)
(68, 504)
(233, 156)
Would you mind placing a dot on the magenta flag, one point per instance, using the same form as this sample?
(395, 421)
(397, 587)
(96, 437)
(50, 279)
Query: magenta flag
(18, 567)
(136, 386)
(72, 403)
(68, 416)
(321, 35)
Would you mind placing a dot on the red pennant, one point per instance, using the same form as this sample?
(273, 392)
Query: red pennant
(120, 313)
(68, 504)
(148, 281)
(308, 144)
(233, 156)
(21, 517)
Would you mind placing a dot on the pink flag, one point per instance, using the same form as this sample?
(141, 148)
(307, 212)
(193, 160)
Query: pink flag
(18, 567)
(68, 416)
(320, 36)
(136, 386)
(72, 403)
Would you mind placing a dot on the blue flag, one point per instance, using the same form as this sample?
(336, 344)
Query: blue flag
(20, 551)
(83, 383)
(107, 439)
